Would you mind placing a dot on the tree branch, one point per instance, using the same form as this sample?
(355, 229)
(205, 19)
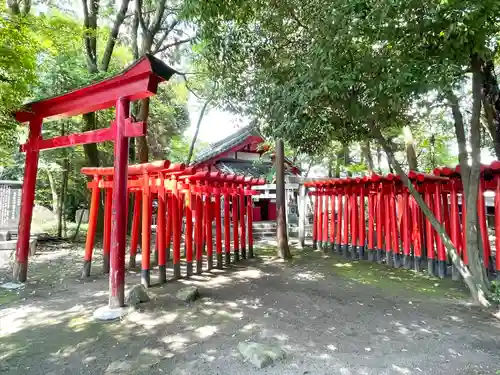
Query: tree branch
(91, 59)
(157, 20)
(135, 28)
(120, 17)
(173, 44)
(140, 16)
(165, 35)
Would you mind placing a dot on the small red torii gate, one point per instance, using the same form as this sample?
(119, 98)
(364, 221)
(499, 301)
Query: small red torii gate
(138, 81)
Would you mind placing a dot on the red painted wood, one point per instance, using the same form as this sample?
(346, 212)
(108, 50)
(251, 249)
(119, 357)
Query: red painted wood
(339, 218)
(227, 230)
(160, 224)
(345, 237)
(94, 212)
(132, 170)
(405, 217)
(138, 81)
(371, 220)
(416, 229)
(256, 214)
(454, 218)
(250, 221)
(199, 226)
(481, 212)
(136, 223)
(387, 222)
(234, 215)
(271, 211)
(190, 199)
(380, 220)
(146, 223)
(320, 214)
(27, 203)
(242, 209)
(332, 217)
(429, 232)
(134, 129)
(394, 221)
(315, 217)
(325, 218)
(446, 211)
(362, 224)
(497, 224)
(176, 235)
(108, 201)
(465, 255)
(119, 215)
(218, 228)
(168, 226)
(208, 226)
(354, 217)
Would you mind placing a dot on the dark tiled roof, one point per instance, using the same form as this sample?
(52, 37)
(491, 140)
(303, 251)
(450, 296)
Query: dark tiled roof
(227, 143)
(257, 168)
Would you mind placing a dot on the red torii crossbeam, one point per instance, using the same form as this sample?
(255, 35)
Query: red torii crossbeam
(140, 80)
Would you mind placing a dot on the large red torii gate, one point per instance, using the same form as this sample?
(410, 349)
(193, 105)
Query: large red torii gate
(140, 80)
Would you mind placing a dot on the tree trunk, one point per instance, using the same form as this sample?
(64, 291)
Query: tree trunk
(379, 159)
(195, 136)
(491, 104)
(473, 234)
(477, 290)
(283, 248)
(302, 215)
(365, 148)
(64, 186)
(411, 154)
(142, 142)
(53, 190)
(91, 152)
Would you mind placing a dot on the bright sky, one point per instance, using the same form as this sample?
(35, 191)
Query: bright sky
(216, 124)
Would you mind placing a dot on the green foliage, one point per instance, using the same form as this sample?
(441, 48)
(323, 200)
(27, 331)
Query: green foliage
(495, 292)
(168, 119)
(319, 71)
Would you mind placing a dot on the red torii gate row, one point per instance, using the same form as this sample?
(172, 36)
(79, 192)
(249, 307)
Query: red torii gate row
(138, 81)
(182, 193)
(394, 216)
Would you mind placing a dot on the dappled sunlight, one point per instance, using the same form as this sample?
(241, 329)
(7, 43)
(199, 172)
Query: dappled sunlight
(343, 265)
(205, 331)
(401, 370)
(309, 276)
(176, 342)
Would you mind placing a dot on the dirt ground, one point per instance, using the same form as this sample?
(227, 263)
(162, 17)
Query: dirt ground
(329, 315)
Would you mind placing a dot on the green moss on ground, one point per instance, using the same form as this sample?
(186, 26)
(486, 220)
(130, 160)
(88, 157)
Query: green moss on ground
(394, 280)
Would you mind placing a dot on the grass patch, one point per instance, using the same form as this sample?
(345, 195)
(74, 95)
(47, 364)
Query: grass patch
(8, 296)
(393, 280)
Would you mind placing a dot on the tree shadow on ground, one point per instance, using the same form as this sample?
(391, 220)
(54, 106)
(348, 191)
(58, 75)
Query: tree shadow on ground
(326, 320)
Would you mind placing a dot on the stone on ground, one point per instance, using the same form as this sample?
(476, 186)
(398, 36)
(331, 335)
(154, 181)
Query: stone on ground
(120, 367)
(188, 294)
(136, 295)
(12, 285)
(107, 313)
(260, 355)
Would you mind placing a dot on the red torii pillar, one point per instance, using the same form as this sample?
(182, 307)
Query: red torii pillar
(138, 81)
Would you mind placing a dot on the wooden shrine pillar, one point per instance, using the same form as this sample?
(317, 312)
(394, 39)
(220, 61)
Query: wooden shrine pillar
(20, 271)
(119, 214)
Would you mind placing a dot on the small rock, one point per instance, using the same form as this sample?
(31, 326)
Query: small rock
(119, 367)
(260, 355)
(12, 286)
(188, 294)
(136, 295)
